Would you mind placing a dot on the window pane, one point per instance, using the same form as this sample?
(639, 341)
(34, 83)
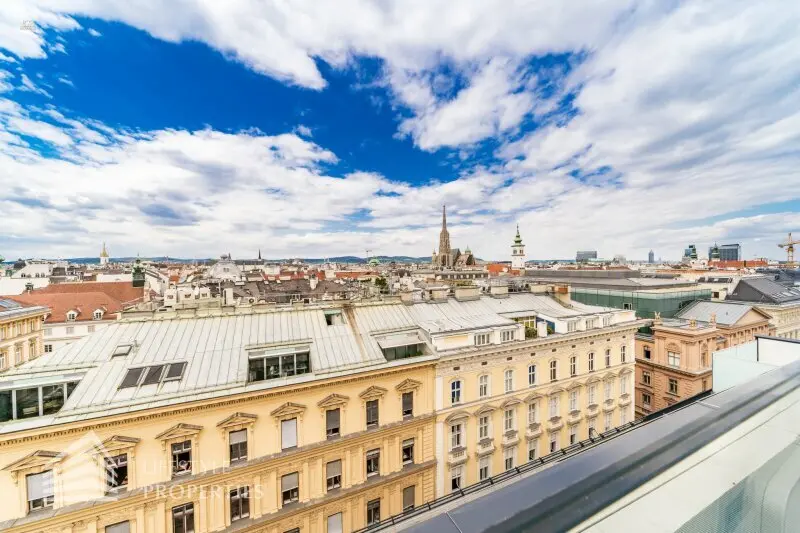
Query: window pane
(289, 433)
(175, 371)
(27, 403)
(287, 363)
(52, 398)
(121, 527)
(273, 367)
(255, 370)
(5, 406)
(153, 375)
(131, 378)
(335, 523)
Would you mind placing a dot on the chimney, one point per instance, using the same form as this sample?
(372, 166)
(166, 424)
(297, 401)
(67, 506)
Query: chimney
(499, 291)
(464, 294)
(541, 328)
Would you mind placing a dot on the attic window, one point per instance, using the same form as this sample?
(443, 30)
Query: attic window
(98, 315)
(153, 375)
(71, 316)
(334, 318)
(122, 350)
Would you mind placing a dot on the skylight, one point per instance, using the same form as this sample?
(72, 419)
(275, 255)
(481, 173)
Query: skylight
(153, 375)
(122, 350)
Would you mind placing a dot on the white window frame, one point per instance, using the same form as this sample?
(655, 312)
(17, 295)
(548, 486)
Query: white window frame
(674, 359)
(573, 400)
(573, 366)
(531, 375)
(456, 435)
(532, 413)
(508, 380)
(573, 434)
(554, 370)
(484, 427)
(510, 458)
(591, 361)
(592, 394)
(623, 355)
(554, 408)
(607, 390)
(484, 463)
(608, 421)
(483, 386)
(455, 392)
(509, 419)
(482, 339)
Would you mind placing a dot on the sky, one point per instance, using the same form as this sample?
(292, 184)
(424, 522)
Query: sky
(315, 129)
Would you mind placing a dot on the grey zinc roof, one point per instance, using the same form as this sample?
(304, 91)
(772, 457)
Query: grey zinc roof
(726, 313)
(485, 312)
(772, 291)
(215, 349)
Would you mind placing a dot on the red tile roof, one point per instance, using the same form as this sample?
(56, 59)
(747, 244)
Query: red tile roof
(84, 303)
(123, 291)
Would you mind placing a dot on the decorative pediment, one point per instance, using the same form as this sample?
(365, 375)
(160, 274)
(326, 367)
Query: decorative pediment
(178, 431)
(237, 419)
(485, 410)
(333, 400)
(555, 391)
(115, 444)
(34, 460)
(458, 415)
(574, 385)
(532, 397)
(609, 376)
(408, 385)
(372, 393)
(593, 379)
(511, 402)
(625, 371)
(288, 409)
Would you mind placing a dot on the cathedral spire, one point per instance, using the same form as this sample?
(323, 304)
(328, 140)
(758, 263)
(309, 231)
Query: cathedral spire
(444, 242)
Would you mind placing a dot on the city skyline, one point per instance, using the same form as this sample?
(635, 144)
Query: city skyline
(600, 127)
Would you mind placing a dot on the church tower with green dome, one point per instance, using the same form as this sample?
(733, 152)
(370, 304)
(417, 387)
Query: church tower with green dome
(518, 253)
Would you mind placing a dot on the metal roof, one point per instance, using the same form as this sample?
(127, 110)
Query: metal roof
(772, 291)
(727, 314)
(215, 349)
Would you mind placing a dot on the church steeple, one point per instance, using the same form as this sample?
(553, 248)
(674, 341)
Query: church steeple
(104, 255)
(444, 242)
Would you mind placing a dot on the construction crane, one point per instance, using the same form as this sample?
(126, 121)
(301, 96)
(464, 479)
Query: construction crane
(789, 245)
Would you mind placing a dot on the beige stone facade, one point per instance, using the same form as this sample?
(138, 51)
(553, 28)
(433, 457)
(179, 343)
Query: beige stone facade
(20, 335)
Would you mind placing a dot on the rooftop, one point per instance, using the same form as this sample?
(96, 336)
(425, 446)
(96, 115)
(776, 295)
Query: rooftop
(726, 313)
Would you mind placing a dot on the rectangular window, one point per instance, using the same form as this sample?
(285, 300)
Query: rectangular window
(333, 475)
(532, 450)
(372, 414)
(482, 339)
(70, 330)
(532, 413)
(674, 359)
(174, 371)
(183, 518)
(40, 490)
(572, 326)
(592, 424)
(483, 468)
(591, 361)
(553, 442)
(240, 503)
(627, 306)
(573, 435)
(646, 377)
(27, 402)
(273, 367)
(290, 488)
(332, 423)
(48, 348)
(623, 417)
(554, 406)
(673, 386)
(509, 420)
(508, 335)
(623, 385)
(509, 380)
(608, 357)
(182, 458)
(288, 434)
(334, 523)
(48, 332)
(456, 475)
(408, 404)
(606, 321)
(592, 394)
(409, 498)
(483, 427)
(117, 472)
(483, 386)
(407, 452)
(373, 462)
(119, 527)
(622, 354)
(647, 353)
(646, 400)
(573, 400)
(131, 378)
(455, 392)
(531, 375)
(553, 370)
(573, 366)
(510, 457)
(607, 390)
(52, 398)
(609, 421)
(238, 445)
(90, 328)
(373, 512)
(455, 436)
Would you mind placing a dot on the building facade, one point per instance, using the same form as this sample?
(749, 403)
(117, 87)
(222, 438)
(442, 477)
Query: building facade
(20, 333)
(503, 398)
(584, 255)
(314, 419)
(675, 362)
(518, 252)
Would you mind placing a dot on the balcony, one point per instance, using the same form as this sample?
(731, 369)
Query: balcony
(608, 405)
(510, 438)
(574, 416)
(625, 400)
(534, 431)
(457, 456)
(555, 423)
(485, 447)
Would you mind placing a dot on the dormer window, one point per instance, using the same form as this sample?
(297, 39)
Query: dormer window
(98, 314)
(71, 316)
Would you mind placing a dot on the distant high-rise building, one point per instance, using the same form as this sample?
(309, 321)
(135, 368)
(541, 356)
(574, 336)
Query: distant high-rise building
(690, 252)
(730, 252)
(713, 253)
(518, 252)
(584, 255)
(651, 257)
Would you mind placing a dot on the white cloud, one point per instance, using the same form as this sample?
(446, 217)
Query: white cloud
(6, 58)
(305, 131)
(28, 85)
(66, 81)
(94, 33)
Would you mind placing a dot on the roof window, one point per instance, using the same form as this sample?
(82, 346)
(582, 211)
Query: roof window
(122, 350)
(153, 375)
